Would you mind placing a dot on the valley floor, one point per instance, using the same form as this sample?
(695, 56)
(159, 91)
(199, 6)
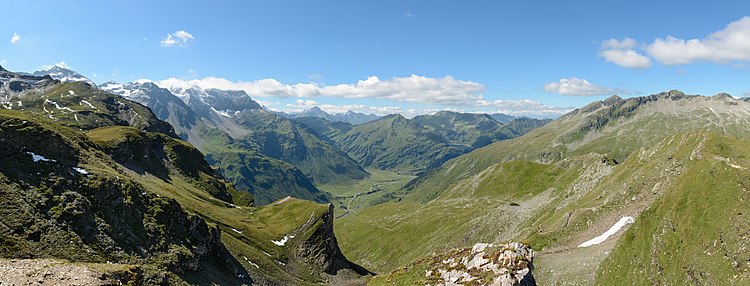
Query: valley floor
(351, 196)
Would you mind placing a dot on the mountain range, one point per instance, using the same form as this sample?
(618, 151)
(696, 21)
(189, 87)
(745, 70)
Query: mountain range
(350, 117)
(93, 177)
(243, 140)
(416, 145)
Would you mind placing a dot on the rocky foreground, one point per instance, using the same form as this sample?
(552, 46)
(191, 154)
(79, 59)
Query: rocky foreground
(484, 264)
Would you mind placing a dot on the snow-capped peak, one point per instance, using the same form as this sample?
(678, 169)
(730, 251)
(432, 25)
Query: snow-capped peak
(64, 74)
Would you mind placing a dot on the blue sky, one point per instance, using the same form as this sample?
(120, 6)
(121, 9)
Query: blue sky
(520, 57)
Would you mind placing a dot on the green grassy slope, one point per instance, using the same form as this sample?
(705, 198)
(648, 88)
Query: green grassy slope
(397, 144)
(326, 128)
(616, 127)
(686, 192)
(475, 130)
(557, 186)
(281, 138)
(267, 179)
(75, 202)
(697, 231)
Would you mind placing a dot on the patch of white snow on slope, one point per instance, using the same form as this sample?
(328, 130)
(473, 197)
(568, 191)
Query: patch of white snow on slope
(38, 158)
(611, 231)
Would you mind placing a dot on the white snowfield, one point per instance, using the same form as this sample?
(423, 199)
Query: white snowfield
(611, 231)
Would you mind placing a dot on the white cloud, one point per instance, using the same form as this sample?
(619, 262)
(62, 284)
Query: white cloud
(732, 44)
(626, 58)
(15, 38)
(622, 53)
(410, 14)
(179, 39)
(615, 44)
(416, 89)
(579, 87)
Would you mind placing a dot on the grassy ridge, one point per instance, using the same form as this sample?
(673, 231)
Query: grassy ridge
(697, 231)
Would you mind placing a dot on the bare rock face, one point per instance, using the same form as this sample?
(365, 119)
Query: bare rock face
(486, 264)
(322, 249)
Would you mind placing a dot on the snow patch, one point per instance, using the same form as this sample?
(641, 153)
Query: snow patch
(71, 92)
(611, 231)
(57, 105)
(237, 231)
(38, 158)
(81, 171)
(224, 113)
(251, 263)
(282, 241)
(283, 200)
(88, 103)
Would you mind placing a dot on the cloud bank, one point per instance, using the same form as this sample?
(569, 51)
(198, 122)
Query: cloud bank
(731, 44)
(457, 95)
(727, 46)
(414, 89)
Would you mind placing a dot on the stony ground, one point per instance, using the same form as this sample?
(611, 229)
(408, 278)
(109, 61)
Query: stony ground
(574, 266)
(48, 272)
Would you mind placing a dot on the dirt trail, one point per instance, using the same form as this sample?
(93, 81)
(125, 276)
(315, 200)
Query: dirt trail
(48, 272)
(574, 266)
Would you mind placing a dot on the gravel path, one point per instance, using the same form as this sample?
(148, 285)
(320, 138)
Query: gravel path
(47, 272)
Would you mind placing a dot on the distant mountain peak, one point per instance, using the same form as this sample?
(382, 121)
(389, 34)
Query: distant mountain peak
(64, 74)
(394, 117)
(350, 116)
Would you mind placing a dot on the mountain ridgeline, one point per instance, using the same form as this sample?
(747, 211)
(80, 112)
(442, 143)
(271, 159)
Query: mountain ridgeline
(420, 144)
(350, 117)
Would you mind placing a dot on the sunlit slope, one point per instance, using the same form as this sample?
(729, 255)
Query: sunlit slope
(614, 126)
(684, 192)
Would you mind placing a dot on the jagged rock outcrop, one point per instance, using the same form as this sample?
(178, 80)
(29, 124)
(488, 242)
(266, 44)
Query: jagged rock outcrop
(322, 249)
(485, 264)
